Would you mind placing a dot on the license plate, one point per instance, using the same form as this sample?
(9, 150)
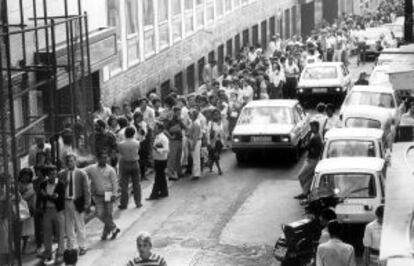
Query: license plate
(280, 252)
(320, 90)
(349, 209)
(261, 139)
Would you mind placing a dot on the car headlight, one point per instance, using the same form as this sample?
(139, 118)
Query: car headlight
(339, 89)
(236, 139)
(285, 139)
(300, 90)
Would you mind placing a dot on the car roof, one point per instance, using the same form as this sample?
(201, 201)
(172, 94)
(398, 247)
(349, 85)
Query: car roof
(368, 112)
(354, 133)
(372, 88)
(318, 64)
(343, 164)
(272, 103)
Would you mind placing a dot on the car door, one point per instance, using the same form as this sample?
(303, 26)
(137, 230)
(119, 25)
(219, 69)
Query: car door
(304, 127)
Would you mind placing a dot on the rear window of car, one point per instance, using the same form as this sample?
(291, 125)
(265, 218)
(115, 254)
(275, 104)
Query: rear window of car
(378, 99)
(362, 122)
(351, 148)
(266, 115)
(350, 185)
(320, 72)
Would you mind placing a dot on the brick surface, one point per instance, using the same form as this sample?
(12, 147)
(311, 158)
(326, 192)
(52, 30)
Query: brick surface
(152, 72)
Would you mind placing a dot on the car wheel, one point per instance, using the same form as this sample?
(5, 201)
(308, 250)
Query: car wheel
(241, 158)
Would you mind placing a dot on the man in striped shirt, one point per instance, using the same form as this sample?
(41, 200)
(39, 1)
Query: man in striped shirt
(146, 257)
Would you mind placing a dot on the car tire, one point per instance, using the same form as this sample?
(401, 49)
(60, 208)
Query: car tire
(241, 158)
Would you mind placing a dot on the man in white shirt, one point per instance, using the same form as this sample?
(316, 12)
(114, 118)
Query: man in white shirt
(147, 112)
(335, 252)
(372, 238)
(333, 120)
(160, 155)
(321, 117)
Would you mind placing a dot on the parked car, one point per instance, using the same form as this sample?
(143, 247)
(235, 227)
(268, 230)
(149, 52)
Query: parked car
(354, 142)
(402, 56)
(270, 125)
(326, 79)
(378, 96)
(379, 76)
(357, 181)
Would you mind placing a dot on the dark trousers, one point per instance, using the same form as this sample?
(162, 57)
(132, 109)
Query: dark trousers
(160, 187)
(329, 55)
(130, 170)
(290, 88)
(38, 228)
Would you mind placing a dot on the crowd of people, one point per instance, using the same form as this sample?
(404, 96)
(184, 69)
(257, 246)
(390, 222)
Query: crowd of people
(176, 136)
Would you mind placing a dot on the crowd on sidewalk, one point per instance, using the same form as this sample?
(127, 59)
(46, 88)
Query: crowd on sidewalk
(176, 135)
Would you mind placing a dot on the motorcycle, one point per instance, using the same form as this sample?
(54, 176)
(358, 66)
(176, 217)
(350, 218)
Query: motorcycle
(298, 242)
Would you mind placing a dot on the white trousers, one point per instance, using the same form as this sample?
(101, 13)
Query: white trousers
(196, 154)
(74, 226)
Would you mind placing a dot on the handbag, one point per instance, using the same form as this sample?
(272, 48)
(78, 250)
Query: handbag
(24, 212)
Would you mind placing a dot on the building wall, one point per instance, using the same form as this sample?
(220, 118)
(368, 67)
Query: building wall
(152, 72)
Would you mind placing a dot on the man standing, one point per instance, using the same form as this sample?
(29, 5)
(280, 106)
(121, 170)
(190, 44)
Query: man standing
(335, 252)
(408, 117)
(362, 80)
(104, 186)
(314, 148)
(160, 154)
(77, 202)
(104, 140)
(148, 113)
(174, 128)
(195, 134)
(52, 203)
(372, 238)
(129, 168)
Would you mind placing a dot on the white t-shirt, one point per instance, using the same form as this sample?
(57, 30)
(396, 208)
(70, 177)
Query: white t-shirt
(372, 235)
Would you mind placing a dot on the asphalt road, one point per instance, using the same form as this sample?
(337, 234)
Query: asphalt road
(233, 219)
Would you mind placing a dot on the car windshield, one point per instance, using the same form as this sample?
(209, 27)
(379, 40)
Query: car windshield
(362, 122)
(352, 185)
(320, 72)
(265, 115)
(351, 148)
(374, 34)
(378, 99)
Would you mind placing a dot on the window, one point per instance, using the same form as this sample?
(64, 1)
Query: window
(227, 5)
(246, 37)
(220, 58)
(236, 44)
(211, 56)
(148, 11)
(176, 20)
(378, 99)
(263, 27)
(255, 33)
(219, 8)
(229, 47)
(287, 23)
(209, 11)
(189, 16)
(362, 122)
(190, 78)
(351, 148)
(200, 67)
(354, 185)
(114, 21)
(131, 17)
(294, 21)
(165, 89)
(200, 14)
(272, 26)
(320, 73)
(163, 30)
(266, 115)
(149, 38)
(178, 82)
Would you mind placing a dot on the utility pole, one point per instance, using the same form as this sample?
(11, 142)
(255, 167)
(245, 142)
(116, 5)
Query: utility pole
(408, 21)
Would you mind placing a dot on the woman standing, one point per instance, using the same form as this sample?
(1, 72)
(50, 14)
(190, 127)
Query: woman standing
(28, 194)
(215, 140)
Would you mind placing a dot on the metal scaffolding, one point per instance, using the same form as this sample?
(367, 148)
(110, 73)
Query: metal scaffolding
(39, 70)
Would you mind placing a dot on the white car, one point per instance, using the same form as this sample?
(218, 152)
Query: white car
(357, 181)
(379, 76)
(372, 36)
(381, 97)
(270, 125)
(354, 142)
(323, 79)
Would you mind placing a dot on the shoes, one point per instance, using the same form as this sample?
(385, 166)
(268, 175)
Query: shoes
(139, 206)
(82, 251)
(122, 207)
(104, 236)
(195, 178)
(152, 198)
(163, 196)
(115, 233)
(48, 261)
(173, 178)
(220, 172)
(300, 196)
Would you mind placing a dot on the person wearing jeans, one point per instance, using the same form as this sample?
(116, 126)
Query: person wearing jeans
(160, 155)
(104, 187)
(52, 203)
(129, 168)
